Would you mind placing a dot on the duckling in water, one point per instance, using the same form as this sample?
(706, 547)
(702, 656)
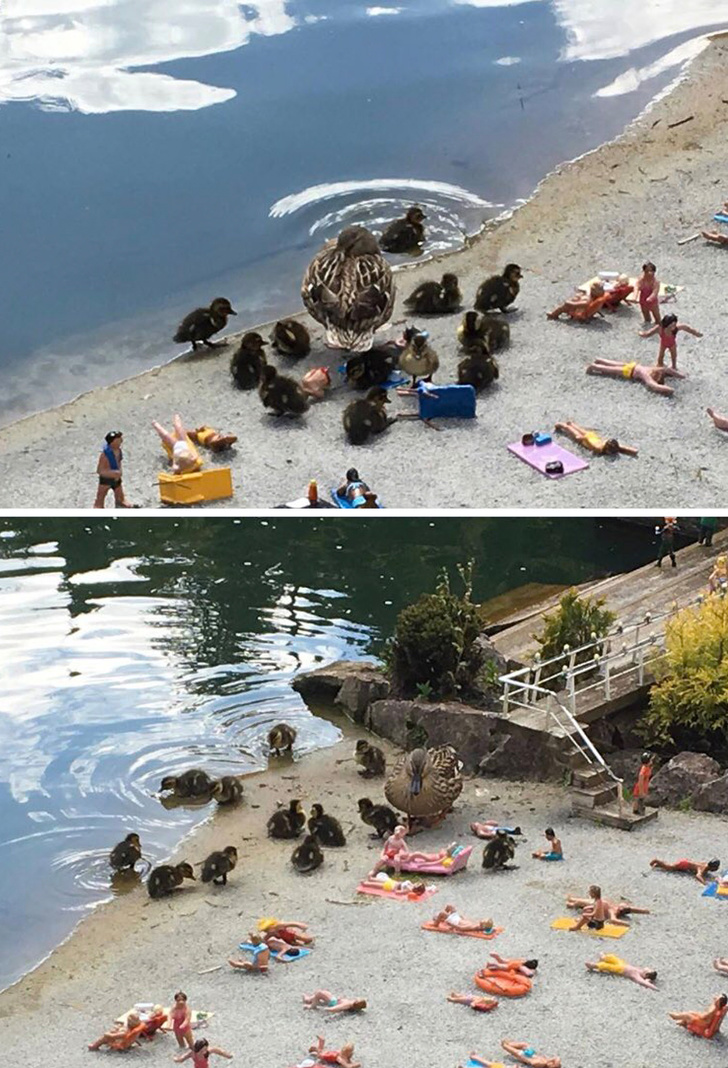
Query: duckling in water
(405, 235)
(308, 856)
(217, 866)
(191, 783)
(500, 290)
(418, 358)
(373, 368)
(202, 323)
(371, 759)
(248, 362)
(436, 298)
(287, 822)
(381, 817)
(126, 853)
(282, 394)
(228, 790)
(281, 739)
(362, 418)
(326, 829)
(168, 877)
(291, 338)
(479, 369)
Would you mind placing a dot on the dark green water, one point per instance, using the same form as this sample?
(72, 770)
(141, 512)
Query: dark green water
(137, 647)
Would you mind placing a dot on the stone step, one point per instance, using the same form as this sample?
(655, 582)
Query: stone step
(610, 816)
(593, 797)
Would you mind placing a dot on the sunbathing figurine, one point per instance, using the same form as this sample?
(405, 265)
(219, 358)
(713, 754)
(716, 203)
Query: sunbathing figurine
(449, 917)
(653, 378)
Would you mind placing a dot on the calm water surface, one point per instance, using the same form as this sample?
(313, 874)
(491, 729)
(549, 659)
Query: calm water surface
(136, 648)
(154, 155)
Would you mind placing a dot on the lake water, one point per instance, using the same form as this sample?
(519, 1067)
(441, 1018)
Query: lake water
(140, 647)
(155, 154)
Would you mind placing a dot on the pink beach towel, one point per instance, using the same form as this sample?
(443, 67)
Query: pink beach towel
(538, 456)
(394, 896)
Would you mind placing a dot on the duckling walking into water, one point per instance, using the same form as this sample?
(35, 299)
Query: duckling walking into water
(168, 877)
(381, 817)
(281, 739)
(436, 298)
(287, 822)
(126, 853)
(370, 758)
(228, 790)
(500, 290)
(191, 783)
(202, 323)
(326, 829)
(418, 357)
(373, 368)
(308, 856)
(248, 362)
(478, 369)
(291, 338)
(362, 418)
(405, 235)
(218, 865)
(281, 394)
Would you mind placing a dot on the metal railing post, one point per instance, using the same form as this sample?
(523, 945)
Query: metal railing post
(641, 666)
(608, 680)
(506, 692)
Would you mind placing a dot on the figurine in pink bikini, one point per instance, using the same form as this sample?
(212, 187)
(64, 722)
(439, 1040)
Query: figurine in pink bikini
(396, 851)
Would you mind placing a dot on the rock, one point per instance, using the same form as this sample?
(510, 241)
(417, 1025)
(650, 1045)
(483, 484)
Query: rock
(327, 681)
(517, 752)
(626, 764)
(430, 723)
(681, 777)
(491, 655)
(361, 689)
(712, 796)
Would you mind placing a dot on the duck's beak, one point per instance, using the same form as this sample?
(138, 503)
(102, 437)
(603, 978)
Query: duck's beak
(416, 784)
(232, 312)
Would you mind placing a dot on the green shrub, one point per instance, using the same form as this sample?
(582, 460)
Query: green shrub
(434, 644)
(574, 623)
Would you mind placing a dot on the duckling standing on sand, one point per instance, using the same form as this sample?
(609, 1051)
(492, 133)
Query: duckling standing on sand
(291, 338)
(478, 369)
(308, 856)
(348, 287)
(477, 327)
(281, 394)
(326, 828)
(500, 290)
(126, 853)
(191, 783)
(499, 851)
(248, 362)
(405, 235)
(217, 866)
(168, 877)
(228, 790)
(363, 418)
(373, 368)
(281, 739)
(370, 758)
(202, 323)
(381, 817)
(436, 298)
(418, 358)
(287, 822)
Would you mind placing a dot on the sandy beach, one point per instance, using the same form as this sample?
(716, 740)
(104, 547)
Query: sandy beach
(628, 201)
(135, 949)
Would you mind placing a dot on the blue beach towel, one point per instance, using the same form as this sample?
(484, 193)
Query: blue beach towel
(396, 378)
(711, 889)
(720, 216)
(274, 952)
(342, 502)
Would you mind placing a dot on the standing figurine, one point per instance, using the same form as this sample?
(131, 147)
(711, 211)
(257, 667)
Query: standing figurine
(667, 540)
(648, 293)
(668, 328)
(642, 786)
(109, 471)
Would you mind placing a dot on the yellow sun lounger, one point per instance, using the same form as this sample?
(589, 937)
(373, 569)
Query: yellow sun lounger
(667, 291)
(609, 930)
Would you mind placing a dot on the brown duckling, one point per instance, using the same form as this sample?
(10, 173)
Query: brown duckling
(281, 394)
(373, 368)
(478, 369)
(381, 817)
(126, 853)
(287, 822)
(308, 856)
(363, 418)
(228, 790)
(436, 298)
(500, 290)
(281, 739)
(168, 877)
(202, 323)
(473, 328)
(498, 333)
(248, 362)
(405, 235)
(217, 866)
(418, 358)
(291, 338)
(326, 828)
(371, 758)
(191, 783)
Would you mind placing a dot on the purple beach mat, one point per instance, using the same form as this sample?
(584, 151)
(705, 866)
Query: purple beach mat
(538, 456)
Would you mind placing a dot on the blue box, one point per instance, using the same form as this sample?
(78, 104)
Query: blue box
(541, 439)
(446, 402)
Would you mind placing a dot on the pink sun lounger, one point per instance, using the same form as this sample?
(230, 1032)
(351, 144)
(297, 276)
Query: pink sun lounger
(537, 456)
(447, 866)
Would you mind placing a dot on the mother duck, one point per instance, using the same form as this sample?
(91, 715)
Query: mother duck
(425, 783)
(349, 289)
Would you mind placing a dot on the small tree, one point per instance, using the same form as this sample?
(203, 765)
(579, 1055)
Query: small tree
(692, 691)
(434, 647)
(574, 623)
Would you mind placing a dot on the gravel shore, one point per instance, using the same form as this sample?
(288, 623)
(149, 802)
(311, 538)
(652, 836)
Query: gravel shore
(630, 200)
(138, 950)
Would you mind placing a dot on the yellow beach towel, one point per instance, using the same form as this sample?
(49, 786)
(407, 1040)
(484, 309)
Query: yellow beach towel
(609, 930)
